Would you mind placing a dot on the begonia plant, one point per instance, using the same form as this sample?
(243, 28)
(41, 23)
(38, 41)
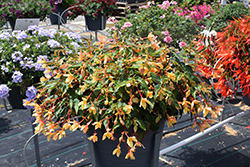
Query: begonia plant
(124, 87)
(225, 57)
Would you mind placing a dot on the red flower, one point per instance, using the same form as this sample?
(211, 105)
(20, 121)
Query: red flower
(99, 10)
(103, 7)
(95, 14)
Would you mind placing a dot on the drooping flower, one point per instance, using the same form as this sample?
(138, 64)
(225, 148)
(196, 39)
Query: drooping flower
(31, 92)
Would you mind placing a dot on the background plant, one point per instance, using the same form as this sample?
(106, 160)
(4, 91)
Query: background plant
(14, 9)
(126, 86)
(227, 56)
(222, 16)
(21, 53)
(160, 19)
(93, 7)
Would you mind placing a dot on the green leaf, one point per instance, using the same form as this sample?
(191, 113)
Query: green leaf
(141, 124)
(156, 78)
(143, 84)
(76, 106)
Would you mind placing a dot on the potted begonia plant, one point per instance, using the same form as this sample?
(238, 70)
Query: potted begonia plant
(13, 9)
(225, 57)
(120, 93)
(21, 53)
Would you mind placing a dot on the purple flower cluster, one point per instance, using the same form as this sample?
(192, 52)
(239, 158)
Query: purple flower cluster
(75, 44)
(5, 69)
(4, 91)
(74, 36)
(5, 35)
(31, 92)
(17, 56)
(52, 43)
(39, 66)
(17, 77)
(21, 35)
(27, 62)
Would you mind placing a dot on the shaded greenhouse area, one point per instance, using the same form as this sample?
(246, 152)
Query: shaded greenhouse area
(226, 146)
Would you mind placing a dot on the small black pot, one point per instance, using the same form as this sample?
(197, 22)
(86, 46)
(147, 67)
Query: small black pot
(55, 19)
(12, 23)
(15, 98)
(98, 23)
(246, 100)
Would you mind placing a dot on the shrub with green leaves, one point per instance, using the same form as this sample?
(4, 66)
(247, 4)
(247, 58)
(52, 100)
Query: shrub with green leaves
(161, 20)
(222, 16)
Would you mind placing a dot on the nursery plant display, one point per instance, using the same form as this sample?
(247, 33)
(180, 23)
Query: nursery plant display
(123, 87)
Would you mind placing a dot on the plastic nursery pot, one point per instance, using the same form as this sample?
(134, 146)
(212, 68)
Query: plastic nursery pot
(101, 151)
(246, 100)
(55, 18)
(15, 98)
(98, 23)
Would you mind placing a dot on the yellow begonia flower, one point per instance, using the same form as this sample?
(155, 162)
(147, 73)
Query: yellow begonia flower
(94, 138)
(171, 76)
(94, 79)
(97, 125)
(150, 94)
(43, 79)
(75, 126)
(69, 79)
(144, 102)
(92, 110)
(128, 108)
(117, 151)
(58, 76)
(83, 103)
(206, 111)
(108, 135)
(130, 155)
(130, 141)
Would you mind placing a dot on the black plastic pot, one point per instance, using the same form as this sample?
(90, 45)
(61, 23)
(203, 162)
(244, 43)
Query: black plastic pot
(101, 151)
(98, 23)
(55, 19)
(12, 23)
(15, 98)
(246, 100)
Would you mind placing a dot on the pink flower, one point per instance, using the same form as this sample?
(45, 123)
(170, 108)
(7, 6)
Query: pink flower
(165, 33)
(155, 37)
(163, 16)
(114, 21)
(181, 44)
(203, 27)
(168, 39)
(127, 24)
(112, 28)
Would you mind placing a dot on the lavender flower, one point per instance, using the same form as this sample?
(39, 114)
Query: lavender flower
(17, 56)
(72, 35)
(4, 91)
(17, 77)
(75, 44)
(52, 43)
(26, 46)
(5, 69)
(31, 92)
(5, 35)
(39, 66)
(21, 35)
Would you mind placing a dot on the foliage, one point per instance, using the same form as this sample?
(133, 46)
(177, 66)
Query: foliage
(93, 7)
(120, 86)
(21, 53)
(64, 3)
(24, 9)
(226, 57)
(222, 16)
(190, 3)
(163, 20)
